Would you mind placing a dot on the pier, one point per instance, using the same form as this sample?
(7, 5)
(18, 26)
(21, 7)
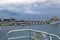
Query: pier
(17, 23)
(14, 22)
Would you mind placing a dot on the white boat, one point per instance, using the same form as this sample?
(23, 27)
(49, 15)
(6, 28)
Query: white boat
(54, 22)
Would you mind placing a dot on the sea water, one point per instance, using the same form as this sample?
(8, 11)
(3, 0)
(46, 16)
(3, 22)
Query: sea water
(54, 29)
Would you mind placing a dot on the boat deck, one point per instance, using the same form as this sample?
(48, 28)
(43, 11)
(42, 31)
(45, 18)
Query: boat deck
(29, 34)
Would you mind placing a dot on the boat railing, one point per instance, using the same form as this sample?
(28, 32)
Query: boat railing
(29, 34)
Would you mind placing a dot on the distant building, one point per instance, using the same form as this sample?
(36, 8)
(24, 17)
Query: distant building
(6, 20)
(12, 19)
(54, 18)
(9, 19)
(0, 20)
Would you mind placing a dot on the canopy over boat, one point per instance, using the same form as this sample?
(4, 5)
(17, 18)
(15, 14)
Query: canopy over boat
(54, 18)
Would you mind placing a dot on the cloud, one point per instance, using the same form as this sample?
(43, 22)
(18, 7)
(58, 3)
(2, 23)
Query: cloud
(28, 11)
(55, 1)
(36, 8)
(19, 1)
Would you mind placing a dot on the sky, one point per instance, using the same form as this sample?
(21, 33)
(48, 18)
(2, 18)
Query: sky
(48, 7)
(20, 1)
(47, 3)
(27, 1)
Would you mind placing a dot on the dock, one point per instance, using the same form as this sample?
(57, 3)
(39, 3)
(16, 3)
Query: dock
(14, 22)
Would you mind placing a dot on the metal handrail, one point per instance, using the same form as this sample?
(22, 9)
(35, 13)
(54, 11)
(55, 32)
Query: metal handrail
(21, 37)
(19, 30)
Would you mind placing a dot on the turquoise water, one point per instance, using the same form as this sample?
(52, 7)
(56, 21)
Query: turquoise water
(54, 29)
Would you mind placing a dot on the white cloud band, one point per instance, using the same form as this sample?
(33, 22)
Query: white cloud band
(19, 1)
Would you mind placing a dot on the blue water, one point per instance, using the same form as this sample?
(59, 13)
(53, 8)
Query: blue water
(54, 29)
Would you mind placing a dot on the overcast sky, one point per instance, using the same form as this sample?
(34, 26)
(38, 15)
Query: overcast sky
(6, 10)
(28, 9)
(26, 1)
(20, 1)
